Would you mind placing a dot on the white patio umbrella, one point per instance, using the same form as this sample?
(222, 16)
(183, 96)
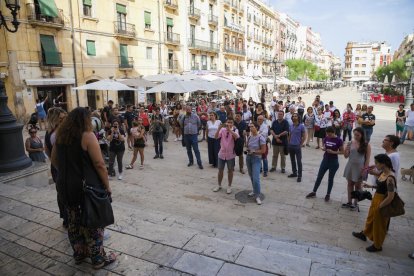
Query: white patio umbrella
(264, 81)
(175, 86)
(106, 84)
(161, 77)
(224, 85)
(386, 82)
(251, 91)
(393, 80)
(211, 77)
(138, 82)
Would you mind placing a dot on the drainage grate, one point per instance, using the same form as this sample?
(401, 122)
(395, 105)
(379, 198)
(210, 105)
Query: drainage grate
(244, 197)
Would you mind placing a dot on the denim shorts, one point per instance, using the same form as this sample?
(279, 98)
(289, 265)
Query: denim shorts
(230, 164)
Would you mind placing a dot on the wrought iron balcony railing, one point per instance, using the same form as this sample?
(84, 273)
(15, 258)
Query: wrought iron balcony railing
(203, 45)
(36, 18)
(126, 62)
(124, 29)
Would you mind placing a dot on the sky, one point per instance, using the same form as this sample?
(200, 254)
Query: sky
(340, 21)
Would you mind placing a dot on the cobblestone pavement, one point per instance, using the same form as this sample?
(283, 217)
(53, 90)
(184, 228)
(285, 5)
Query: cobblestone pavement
(169, 222)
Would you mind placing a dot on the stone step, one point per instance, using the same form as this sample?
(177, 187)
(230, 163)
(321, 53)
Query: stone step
(230, 245)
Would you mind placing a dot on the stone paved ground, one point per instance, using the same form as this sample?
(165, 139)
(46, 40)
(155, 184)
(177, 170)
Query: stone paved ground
(169, 222)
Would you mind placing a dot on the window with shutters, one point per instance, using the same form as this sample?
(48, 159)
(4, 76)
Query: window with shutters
(121, 17)
(90, 48)
(87, 8)
(149, 52)
(147, 19)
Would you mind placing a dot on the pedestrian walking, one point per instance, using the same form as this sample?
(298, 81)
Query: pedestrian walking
(376, 225)
(41, 112)
(409, 124)
(400, 120)
(165, 113)
(264, 131)
(348, 118)
(256, 146)
(77, 151)
(333, 146)
(358, 153)
(321, 123)
(337, 122)
(242, 128)
(129, 117)
(279, 131)
(158, 129)
(213, 145)
(227, 134)
(138, 132)
(301, 108)
(309, 122)
(191, 123)
(34, 146)
(116, 138)
(367, 121)
(106, 113)
(297, 138)
(202, 110)
(145, 118)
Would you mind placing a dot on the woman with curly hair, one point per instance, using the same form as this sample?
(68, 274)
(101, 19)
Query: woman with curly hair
(77, 157)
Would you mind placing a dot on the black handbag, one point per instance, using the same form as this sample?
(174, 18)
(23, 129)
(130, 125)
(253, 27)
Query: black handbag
(96, 208)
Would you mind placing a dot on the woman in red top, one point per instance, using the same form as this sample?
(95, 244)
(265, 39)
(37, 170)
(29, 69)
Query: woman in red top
(348, 119)
(202, 113)
(145, 118)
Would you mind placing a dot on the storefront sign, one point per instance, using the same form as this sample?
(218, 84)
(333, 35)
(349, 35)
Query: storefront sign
(49, 82)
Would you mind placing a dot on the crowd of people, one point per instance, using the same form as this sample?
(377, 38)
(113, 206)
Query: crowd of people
(235, 129)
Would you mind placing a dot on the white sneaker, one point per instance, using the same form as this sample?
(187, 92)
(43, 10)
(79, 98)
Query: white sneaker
(216, 189)
(251, 194)
(181, 138)
(120, 176)
(228, 190)
(258, 201)
(176, 139)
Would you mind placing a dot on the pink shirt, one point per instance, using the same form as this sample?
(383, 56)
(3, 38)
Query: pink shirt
(227, 144)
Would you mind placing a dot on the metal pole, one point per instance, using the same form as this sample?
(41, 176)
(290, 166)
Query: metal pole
(159, 39)
(73, 51)
(409, 99)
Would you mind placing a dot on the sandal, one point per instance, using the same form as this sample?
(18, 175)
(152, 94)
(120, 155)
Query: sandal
(141, 167)
(109, 259)
(79, 259)
(129, 167)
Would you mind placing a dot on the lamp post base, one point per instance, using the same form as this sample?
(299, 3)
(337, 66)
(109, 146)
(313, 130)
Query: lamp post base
(408, 100)
(12, 157)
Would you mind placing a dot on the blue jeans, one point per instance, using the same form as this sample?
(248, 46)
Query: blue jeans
(405, 131)
(368, 133)
(265, 165)
(213, 146)
(295, 153)
(347, 131)
(158, 139)
(327, 164)
(191, 141)
(253, 163)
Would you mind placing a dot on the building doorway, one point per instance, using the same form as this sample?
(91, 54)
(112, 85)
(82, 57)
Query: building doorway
(52, 92)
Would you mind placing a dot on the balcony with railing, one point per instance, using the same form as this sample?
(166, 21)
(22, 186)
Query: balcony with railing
(35, 18)
(194, 13)
(171, 4)
(207, 46)
(234, 51)
(212, 19)
(48, 60)
(172, 38)
(172, 64)
(124, 30)
(233, 26)
(125, 63)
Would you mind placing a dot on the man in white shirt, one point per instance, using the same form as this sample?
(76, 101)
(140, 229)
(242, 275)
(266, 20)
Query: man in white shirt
(273, 102)
(331, 106)
(409, 123)
(264, 131)
(246, 114)
(274, 112)
(288, 116)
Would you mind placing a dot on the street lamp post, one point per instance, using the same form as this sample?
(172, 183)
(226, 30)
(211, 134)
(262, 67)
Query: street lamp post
(275, 63)
(12, 158)
(409, 98)
(14, 7)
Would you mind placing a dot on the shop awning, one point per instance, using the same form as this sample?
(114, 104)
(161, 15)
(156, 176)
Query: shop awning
(48, 8)
(49, 82)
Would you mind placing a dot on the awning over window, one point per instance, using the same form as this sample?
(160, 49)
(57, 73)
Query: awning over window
(90, 48)
(48, 8)
(147, 18)
(50, 52)
(87, 3)
(124, 54)
(121, 8)
(170, 22)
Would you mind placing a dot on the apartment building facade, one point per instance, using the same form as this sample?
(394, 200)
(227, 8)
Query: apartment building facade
(406, 48)
(362, 59)
(260, 38)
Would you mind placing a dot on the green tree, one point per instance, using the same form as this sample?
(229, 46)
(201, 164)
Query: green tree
(301, 69)
(397, 68)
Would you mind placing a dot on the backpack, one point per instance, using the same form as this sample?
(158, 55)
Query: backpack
(238, 146)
